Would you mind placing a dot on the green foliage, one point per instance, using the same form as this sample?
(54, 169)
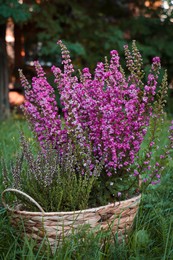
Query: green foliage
(9, 132)
(153, 36)
(151, 237)
(115, 188)
(66, 19)
(154, 225)
(57, 181)
(17, 11)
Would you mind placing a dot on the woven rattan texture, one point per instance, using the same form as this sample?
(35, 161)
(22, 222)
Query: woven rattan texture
(118, 216)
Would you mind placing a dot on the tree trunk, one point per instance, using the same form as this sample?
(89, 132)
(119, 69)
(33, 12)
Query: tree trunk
(4, 80)
(18, 47)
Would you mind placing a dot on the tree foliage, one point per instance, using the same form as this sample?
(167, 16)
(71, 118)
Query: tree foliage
(19, 12)
(91, 29)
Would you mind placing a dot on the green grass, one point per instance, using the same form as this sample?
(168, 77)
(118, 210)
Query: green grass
(151, 237)
(9, 136)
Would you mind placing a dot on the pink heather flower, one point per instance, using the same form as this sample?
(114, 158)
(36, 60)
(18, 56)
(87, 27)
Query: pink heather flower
(114, 52)
(85, 70)
(152, 143)
(136, 173)
(106, 112)
(162, 156)
(119, 194)
(171, 127)
(155, 182)
(109, 174)
(91, 166)
(146, 162)
(156, 60)
(59, 42)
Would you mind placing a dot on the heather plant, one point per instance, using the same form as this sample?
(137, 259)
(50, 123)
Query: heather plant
(108, 114)
(151, 237)
(54, 179)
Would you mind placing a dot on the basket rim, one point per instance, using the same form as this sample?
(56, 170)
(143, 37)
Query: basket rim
(134, 200)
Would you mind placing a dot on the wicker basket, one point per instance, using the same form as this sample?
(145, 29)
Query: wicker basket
(118, 216)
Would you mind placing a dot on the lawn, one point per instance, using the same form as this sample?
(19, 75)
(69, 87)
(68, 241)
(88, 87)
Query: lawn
(150, 238)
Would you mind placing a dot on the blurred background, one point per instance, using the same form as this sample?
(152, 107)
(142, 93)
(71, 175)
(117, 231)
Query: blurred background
(29, 30)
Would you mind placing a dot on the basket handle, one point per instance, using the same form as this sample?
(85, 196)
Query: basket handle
(22, 193)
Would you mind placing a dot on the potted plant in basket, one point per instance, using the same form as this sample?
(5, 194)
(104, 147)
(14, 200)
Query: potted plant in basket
(92, 156)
